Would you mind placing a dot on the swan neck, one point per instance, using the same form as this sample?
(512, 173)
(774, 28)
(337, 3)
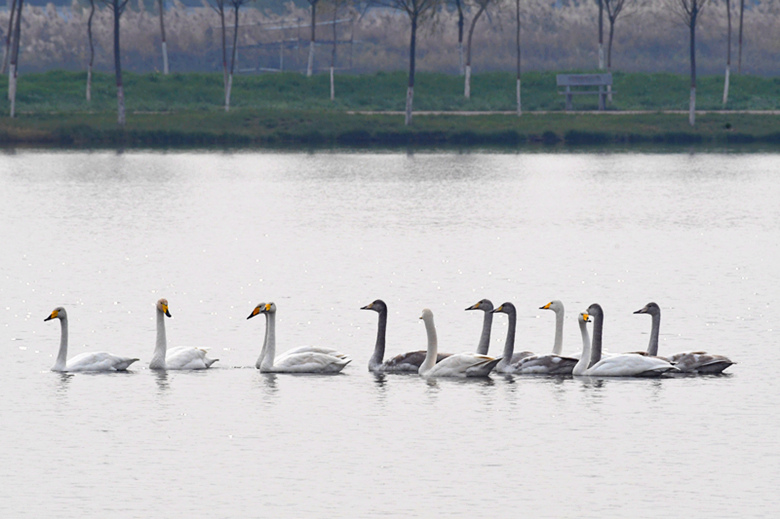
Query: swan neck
(558, 346)
(652, 347)
(584, 361)
(595, 345)
(509, 345)
(161, 345)
(484, 339)
(433, 346)
(62, 355)
(379, 348)
(266, 360)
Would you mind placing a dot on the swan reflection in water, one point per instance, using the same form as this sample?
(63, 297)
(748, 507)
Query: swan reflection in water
(269, 385)
(161, 378)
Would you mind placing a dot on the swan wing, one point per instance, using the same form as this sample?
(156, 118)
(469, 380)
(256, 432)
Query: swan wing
(549, 364)
(188, 358)
(98, 361)
(630, 365)
(409, 362)
(309, 362)
(520, 355)
(700, 362)
(313, 349)
(463, 365)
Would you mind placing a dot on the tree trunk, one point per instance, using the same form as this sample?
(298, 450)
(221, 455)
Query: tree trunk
(12, 89)
(91, 49)
(410, 88)
(467, 88)
(460, 37)
(517, 34)
(232, 57)
(228, 88)
(221, 11)
(310, 64)
(162, 33)
(601, 34)
(8, 40)
(609, 54)
(120, 91)
(692, 106)
(14, 68)
(728, 56)
(739, 43)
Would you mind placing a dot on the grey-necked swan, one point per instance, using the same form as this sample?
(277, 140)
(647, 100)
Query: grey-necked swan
(305, 359)
(622, 365)
(97, 361)
(687, 362)
(456, 365)
(408, 362)
(180, 357)
(487, 323)
(550, 364)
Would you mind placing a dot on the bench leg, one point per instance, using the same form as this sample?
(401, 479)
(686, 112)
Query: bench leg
(568, 102)
(602, 98)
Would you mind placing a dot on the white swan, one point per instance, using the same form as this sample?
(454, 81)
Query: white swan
(582, 364)
(623, 365)
(97, 361)
(180, 357)
(456, 365)
(686, 362)
(557, 307)
(305, 359)
(550, 364)
(408, 362)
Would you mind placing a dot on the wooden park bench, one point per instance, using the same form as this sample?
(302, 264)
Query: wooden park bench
(578, 84)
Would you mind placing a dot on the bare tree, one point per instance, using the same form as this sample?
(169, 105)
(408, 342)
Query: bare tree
(728, 55)
(601, 33)
(482, 6)
(461, 21)
(614, 8)
(236, 8)
(219, 8)
(739, 44)
(690, 10)
(91, 49)
(7, 47)
(14, 67)
(310, 64)
(337, 6)
(161, 3)
(517, 34)
(418, 11)
(117, 7)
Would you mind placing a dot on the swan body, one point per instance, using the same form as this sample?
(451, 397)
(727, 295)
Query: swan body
(687, 362)
(550, 364)
(456, 365)
(304, 359)
(584, 360)
(622, 365)
(408, 362)
(180, 357)
(94, 361)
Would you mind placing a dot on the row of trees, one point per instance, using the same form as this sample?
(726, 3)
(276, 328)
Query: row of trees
(420, 14)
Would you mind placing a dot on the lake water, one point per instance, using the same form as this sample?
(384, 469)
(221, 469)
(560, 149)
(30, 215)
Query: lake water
(107, 234)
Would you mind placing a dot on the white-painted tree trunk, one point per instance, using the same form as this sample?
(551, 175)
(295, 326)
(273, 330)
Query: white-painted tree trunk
(89, 83)
(467, 84)
(120, 101)
(601, 56)
(12, 88)
(726, 86)
(692, 108)
(519, 104)
(227, 92)
(609, 93)
(409, 102)
(332, 84)
(165, 57)
(310, 65)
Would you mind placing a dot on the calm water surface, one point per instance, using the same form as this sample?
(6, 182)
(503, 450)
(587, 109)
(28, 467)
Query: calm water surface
(106, 235)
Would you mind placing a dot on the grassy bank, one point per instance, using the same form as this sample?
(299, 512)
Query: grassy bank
(289, 109)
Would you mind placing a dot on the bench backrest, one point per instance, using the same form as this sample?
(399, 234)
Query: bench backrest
(584, 79)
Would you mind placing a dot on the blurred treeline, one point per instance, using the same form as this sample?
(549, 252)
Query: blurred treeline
(556, 35)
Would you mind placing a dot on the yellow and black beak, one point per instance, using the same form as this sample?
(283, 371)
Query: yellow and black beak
(53, 315)
(475, 306)
(545, 307)
(255, 311)
(369, 306)
(497, 310)
(586, 318)
(165, 310)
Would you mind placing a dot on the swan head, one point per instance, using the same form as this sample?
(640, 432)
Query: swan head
(554, 305)
(57, 313)
(427, 315)
(595, 310)
(485, 305)
(583, 317)
(506, 308)
(649, 308)
(263, 308)
(377, 306)
(162, 306)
